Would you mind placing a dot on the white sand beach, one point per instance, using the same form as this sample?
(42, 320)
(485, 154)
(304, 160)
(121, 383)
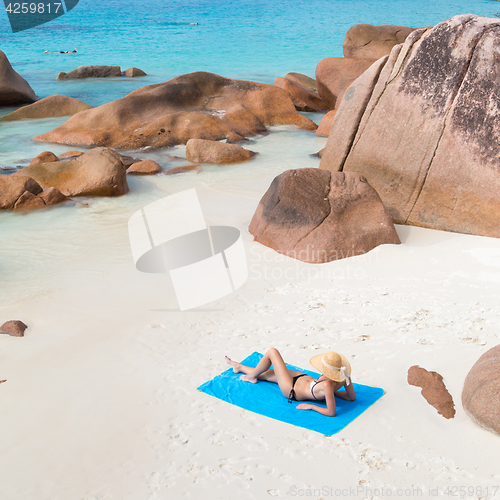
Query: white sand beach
(100, 401)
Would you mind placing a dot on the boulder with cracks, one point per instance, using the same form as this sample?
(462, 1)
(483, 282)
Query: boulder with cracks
(423, 127)
(318, 216)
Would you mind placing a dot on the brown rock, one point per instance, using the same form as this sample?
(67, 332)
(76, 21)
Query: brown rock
(241, 120)
(90, 71)
(45, 157)
(305, 81)
(71, 154)
(303, 98)
(335, 74)
(425, 135)
(202, 151)
(99, 172)
(183, 169)
(52, 196)
(28, 201)
(14, 89)
(433, 390)
(348, 116)
(133, 72)
(12, 188)
(144, 167)
(15, 328)
(481, 392)
(317, 216)
(326, 124)
(129, 160)
(364, 41)
(190, 106)
(52, 106)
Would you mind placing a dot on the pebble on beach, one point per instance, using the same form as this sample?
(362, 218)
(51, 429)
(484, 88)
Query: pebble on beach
(14, 328)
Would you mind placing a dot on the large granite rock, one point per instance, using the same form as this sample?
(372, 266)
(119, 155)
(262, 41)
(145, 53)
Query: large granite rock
(425, 129)
(335, 74)
(99, 172)
(202, 151)
(317, 216)
(14, 89)
(433, 390)
(481, 391)
(303, 97)
(365, 41)
(52, 106)
(91, 71)
(197, 105)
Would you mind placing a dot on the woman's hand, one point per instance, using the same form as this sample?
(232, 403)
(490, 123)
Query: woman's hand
(304, 406)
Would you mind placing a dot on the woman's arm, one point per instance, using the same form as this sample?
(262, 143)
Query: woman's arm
(349, 394)
(319, 409)
(330, 410)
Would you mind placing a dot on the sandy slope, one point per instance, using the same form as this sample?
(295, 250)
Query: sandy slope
(100, 401)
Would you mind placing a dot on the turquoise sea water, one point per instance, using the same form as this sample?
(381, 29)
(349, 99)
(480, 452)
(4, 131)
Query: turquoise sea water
(251, 39)
(257, 40)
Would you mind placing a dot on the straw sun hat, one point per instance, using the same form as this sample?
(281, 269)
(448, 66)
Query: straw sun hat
(332, 365)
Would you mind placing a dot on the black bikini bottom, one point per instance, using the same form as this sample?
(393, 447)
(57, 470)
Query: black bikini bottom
(292, 396)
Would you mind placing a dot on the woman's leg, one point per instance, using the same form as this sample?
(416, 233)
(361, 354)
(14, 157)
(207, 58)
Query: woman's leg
(281, 375)
(268, 375)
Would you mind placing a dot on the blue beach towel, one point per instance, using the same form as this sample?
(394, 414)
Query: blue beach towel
(266, 399)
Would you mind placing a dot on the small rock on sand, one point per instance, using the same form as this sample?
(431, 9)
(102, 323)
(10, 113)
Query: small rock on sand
(14, 328)
(433, 390)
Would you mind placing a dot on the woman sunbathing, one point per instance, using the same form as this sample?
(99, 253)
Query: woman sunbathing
(297, 386)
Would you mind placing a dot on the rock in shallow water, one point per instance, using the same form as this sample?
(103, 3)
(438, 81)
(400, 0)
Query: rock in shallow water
(481, 391)
(99, 172)
(426, 132)
(44, 157)
(198, 105)
(303, 98)
(183, 169)
(144, 167)
(316, 216)
(365, 41)
(201, 151)
(52, 106)
(12, 188)
(335, 74)
(91, 71)
(133, 72)
(14, 89)
(326, 124)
